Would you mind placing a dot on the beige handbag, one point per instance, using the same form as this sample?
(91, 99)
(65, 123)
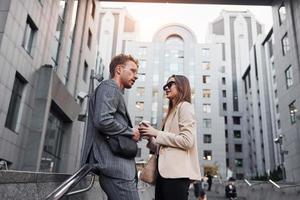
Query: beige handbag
(149, 172)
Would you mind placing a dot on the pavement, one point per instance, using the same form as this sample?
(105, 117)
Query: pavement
(212, 195)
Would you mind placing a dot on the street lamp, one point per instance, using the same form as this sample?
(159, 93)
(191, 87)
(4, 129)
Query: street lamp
(282, 152)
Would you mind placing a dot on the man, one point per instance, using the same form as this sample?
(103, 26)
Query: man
(108, 116)
(198, 190)
(209, 181)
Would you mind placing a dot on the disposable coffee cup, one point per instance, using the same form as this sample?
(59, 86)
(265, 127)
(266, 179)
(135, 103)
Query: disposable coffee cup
(144, 123)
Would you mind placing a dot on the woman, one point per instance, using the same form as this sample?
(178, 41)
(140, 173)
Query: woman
(176, 144)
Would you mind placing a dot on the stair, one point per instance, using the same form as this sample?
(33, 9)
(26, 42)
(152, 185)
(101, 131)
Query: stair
(212, 195)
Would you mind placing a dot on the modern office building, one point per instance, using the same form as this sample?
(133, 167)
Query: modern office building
(236, 32)
(261, 109)
(47, 49)
(286, 30)
(174, 50)
(116, 27)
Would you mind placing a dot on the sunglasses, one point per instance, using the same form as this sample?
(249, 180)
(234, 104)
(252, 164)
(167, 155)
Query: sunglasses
(168, 85)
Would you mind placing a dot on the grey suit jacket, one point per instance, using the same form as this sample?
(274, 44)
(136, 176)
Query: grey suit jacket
(107, 115)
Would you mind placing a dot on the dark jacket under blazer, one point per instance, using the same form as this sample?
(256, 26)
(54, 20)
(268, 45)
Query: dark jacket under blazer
(108, 115)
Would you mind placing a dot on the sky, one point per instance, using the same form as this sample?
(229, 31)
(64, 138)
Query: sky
(152, 16)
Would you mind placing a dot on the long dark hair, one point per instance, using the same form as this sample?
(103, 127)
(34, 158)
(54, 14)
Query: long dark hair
(184, 93)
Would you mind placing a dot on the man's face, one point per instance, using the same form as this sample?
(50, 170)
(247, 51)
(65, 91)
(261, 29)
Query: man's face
(128, 74)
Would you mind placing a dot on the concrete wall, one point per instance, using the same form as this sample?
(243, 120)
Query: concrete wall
(16, 185)
(27, 185)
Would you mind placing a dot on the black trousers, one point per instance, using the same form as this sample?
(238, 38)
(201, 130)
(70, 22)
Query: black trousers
(171, 188)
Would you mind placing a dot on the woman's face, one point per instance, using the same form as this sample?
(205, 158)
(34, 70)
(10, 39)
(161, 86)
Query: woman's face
(170, 89)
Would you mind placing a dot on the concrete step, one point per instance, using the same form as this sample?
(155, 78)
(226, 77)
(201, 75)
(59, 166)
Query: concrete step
(211, 195)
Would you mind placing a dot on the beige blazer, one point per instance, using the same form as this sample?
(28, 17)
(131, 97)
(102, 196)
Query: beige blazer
(178, 153)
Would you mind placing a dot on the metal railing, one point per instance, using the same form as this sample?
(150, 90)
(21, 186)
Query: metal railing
(66, 186)
(254, 184)
(282, 186)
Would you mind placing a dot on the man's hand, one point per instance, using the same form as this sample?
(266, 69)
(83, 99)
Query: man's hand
(136, 134)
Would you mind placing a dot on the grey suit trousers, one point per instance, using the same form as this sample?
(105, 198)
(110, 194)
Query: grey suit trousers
(119, 189)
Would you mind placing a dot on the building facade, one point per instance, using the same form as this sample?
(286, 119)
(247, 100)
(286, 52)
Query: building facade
(47, 49)
(236, 32)
(286, 62)
(261, 109)
(116, 27)
(174, 50)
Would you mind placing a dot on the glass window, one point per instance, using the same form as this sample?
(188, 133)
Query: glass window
(205, 52)
(223, 93)
(62, 8)
(207, 123)
(205, 65)
(223, 80)
(222, 69)
(226, 133)
(289, 77)
(293, 110)
(236, 120)
(225, 119)
(207, 138)
(139, 105)
(29, 35)
(93, 9)
(51, 156)
(206, 93)
(238, 148)
(223, 52)
(207, 155)
(89, 41)
(142, 64)
(238, 162)
(85, 71)
(282, 13)
(206, 79)
(141, 77)
(140, 91)
(224, 106)
(142, 52)
(138, 119)
(154, 110)
(70, 45)
(56, 40)
(237, 134)
(285, 44)
(12, 117)
(206, 108)
(270, 47)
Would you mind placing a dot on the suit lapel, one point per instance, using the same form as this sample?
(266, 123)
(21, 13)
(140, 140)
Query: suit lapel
(126, 113)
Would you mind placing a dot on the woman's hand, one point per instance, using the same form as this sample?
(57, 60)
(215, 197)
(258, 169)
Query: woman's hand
(147, 130)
